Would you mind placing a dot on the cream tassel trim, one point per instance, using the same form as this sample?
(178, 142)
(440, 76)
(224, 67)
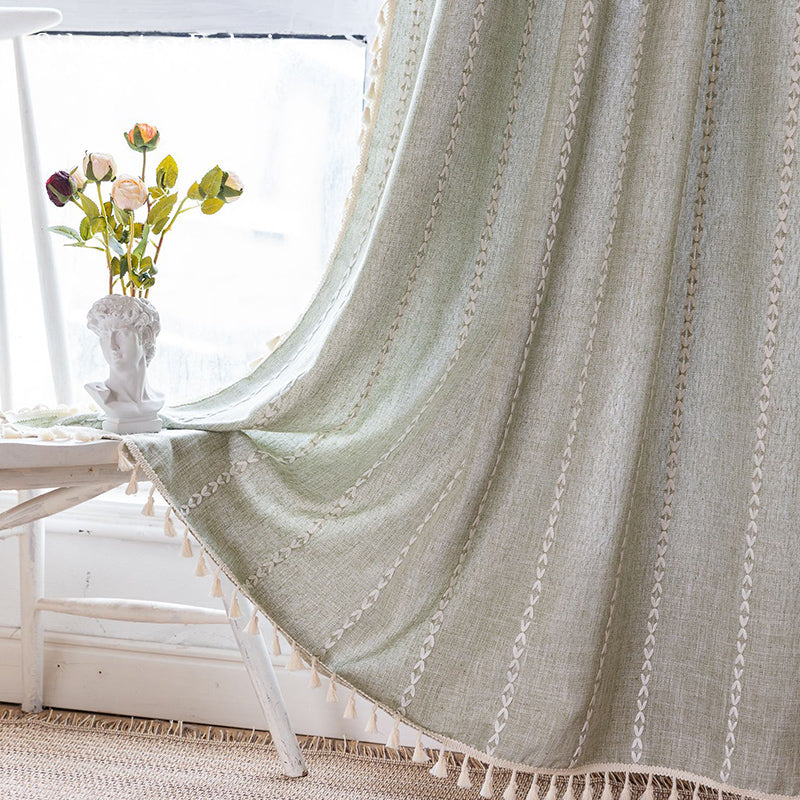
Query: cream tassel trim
(295, 662)
(313, 681)
(332, 697)
(350, 710)
(511, 790)
(487, 790)
(276, 642)
(147, 509)
(533, 792)
(552, 791)
(625, 794)
(133, 484)
(169, 527)
(393, 740)
(235, 612)
(372, 722)
(123, 462)
(569, 794)
(439, 769)
(607, 793)
(201, 570)
(186, 550)
(464, 781)
(216, 586)
(696, 792)
(420, 756)
(48, 436)
(647, 794)
(252, 626)
(673, 795)
(587, 794)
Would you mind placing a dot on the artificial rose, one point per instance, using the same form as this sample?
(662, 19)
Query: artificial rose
(80, 179)
(142, 137)
(231, 188)
(61, 188)
(128, 192)
(99, 167)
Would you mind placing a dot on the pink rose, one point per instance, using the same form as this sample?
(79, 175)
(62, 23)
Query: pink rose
(99, 167)
(128, 192)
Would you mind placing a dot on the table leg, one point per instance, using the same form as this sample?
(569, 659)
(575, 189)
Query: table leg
(31, 588)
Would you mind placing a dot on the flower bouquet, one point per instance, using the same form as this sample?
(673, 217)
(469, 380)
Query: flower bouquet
(124, 320)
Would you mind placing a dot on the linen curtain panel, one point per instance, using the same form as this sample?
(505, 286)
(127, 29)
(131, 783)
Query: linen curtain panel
(525, 474)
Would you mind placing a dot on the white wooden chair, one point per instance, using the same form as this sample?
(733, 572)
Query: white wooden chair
(74, 472)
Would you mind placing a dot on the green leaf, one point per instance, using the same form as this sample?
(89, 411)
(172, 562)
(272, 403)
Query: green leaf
(211, 182)
(194, 192)
(98, 225)
(120, 215)
(89, 207)
(86, 228)
(115, 245)
(167, 173)
(155, 192)
(108, 207)
(161, 210)
(211, 205)
(139, 250)
(64, 230)
(115, 266)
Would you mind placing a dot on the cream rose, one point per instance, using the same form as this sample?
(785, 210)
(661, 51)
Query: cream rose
(128, 193)
(231, 188)
(99, 167)
(77, 175)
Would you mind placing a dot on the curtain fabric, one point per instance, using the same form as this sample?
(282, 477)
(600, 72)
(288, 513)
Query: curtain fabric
(526, 472)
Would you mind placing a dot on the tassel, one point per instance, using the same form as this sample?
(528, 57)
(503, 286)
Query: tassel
(47, 435)
(552, 792)
(533, 792)
(511, 790)
(372, 722)
(332, 697)
(169, 527)
(313, 681)
(486, 789)
(673, 795)
(464, 781)
(393, 740)
(719, 794)
(588, 794)
(647, 794)
(439, 769)
(133, 484)
(201, 570)
(295, 662)
(696, 792)
(216, 586)
(607, 793)
(186, 550)
(147, 509)
(420, 756)
(252, 626)
(625, 794)
(276, 642)
(350, 710)
(234, 612)
(569, 794)
(123, 463)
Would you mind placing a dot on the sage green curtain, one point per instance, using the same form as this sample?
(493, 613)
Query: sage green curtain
(526, 472)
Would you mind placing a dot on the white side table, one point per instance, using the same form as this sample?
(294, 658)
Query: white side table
(75, 472)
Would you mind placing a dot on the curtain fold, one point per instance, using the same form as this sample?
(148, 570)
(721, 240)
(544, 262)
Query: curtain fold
(525, 473)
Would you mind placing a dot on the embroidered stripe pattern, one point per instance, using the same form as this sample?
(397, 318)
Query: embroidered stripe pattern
(623, 158)
(767, 369)
(687, 330)
(470, 309)
(422, 251)
(236, 468)
(520, 644)
(370, 599)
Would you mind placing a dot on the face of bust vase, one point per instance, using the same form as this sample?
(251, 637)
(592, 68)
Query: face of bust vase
(122, 348)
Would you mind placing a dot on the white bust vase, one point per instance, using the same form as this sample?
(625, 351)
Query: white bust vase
(127, 328)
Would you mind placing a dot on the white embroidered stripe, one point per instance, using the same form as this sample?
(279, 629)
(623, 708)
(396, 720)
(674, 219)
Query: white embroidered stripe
(762, 425)
(623, 159)
(687, 330)
(520, 643)
(370, 599)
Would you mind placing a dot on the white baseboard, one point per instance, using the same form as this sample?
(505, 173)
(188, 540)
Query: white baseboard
(176, 682)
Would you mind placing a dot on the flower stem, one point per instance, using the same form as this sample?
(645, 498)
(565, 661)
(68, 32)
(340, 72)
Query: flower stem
(130, 247)
(105, 242)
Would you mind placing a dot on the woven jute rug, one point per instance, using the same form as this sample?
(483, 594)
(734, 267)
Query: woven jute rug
(59, 755)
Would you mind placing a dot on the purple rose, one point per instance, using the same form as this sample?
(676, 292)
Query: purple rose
(60, 188)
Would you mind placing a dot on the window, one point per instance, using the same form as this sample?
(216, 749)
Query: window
(282, 112)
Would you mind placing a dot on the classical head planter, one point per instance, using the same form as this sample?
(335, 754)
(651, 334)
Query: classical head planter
(127, 328)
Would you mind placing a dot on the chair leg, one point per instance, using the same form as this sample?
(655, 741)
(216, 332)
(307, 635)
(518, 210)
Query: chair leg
(31, 587)
(262, 675)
